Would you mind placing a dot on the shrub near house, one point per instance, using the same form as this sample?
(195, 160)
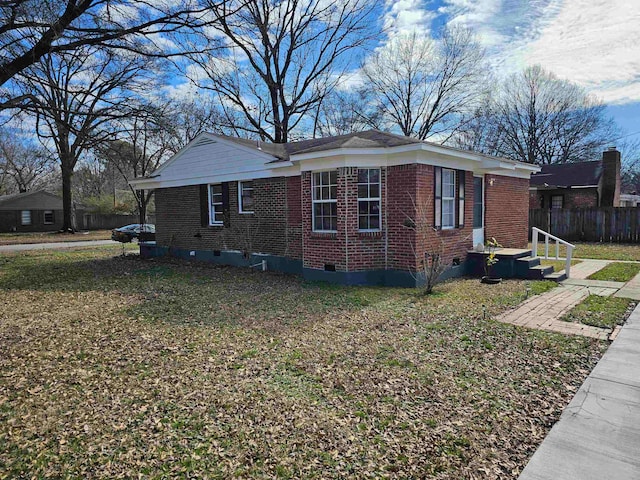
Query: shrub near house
(335, 208)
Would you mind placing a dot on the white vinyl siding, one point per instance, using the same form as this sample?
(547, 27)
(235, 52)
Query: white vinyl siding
(324, 190)
(216, 212)
(369, 216)
(245, 197)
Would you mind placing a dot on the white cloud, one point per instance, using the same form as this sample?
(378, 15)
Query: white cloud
(589, 42)
(593, 43)
(407, 16)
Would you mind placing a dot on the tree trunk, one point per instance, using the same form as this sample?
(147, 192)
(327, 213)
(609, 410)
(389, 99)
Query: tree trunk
(142, 206)
(67, 173)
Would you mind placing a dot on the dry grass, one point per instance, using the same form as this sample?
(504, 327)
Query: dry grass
(51, 237)
(117, 367)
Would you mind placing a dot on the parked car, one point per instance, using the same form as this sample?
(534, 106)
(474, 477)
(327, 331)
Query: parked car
(142, 232)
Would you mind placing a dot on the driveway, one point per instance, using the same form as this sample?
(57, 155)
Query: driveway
(57, 245)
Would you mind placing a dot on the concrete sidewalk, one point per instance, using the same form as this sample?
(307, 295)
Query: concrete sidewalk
(598, 434)
(54, 245)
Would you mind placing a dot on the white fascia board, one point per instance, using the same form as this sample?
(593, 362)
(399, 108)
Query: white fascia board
(584, 186)
(155, 183)
(414, 153)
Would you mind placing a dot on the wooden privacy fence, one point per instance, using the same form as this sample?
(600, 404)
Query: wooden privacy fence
(601, 224)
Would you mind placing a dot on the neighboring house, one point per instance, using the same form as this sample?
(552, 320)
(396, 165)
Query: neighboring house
(339, 209)
(578, 185)
(37, 211)
(629, 200)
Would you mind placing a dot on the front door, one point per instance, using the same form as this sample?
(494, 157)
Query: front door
(478, 211)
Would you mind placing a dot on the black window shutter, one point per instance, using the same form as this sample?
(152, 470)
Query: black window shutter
(461, 181)
(204, 205)
(437, 204)
(226, 208)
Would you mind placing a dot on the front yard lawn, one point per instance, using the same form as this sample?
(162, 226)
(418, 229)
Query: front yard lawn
(617, 272)
(114, 367)
(603, 312)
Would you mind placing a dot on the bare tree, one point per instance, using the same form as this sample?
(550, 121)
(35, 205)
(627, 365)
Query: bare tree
(345, 111)
(424, 86)
(538, 118)
(31, 30)
(280, 58)
(144, 142)
(74, 96)
(27, 165)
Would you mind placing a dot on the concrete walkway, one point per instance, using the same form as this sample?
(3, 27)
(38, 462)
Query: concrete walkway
(598, 434)
(54, 245)
(588, 267)
(543, 312)
(631, 289)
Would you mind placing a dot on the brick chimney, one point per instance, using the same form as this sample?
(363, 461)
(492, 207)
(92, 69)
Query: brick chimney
(610, 186)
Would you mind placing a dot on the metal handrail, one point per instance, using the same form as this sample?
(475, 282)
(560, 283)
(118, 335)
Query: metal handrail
(570, 247)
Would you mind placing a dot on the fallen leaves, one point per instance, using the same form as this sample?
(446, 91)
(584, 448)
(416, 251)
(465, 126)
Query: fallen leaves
(118, 368)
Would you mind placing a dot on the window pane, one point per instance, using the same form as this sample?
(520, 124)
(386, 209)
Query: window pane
(363, 176)
(363, 191)
(325, 178)
(374, 207)
(216, 189)
(26, 217)
(334, 209)
(374, 191)
(316, 193)
(362, 222)
(374, 175)
(333, 177)
(448, 213)
(317, 209)
(374, 222)
(333, 224)
(363, 208)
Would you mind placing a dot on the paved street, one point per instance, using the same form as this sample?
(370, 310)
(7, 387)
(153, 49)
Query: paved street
(46, 246)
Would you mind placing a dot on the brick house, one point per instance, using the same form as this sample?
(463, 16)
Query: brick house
(37, 211)
(355, 209)
(578, 185)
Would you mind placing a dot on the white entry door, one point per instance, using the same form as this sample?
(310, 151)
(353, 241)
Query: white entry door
(478, 210)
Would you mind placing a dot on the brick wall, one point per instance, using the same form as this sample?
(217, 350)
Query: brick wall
(268, 230)
(506, 210)
(573, 198)
(11, 221)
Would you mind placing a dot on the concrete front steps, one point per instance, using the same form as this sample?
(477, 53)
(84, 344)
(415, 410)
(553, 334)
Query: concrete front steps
(514, 263)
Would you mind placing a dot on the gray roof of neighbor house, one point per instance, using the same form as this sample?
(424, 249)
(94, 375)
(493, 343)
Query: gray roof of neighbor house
(580, 174)
(366, 139)
(36, 200)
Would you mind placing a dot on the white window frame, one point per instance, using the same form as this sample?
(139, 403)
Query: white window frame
(44, 217)
(369, 199)
(28, 217)
(212, 210)
(448, 200)
(241, 188)
(315, 201)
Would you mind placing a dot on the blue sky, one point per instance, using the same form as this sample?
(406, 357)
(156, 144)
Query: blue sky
(593, 43)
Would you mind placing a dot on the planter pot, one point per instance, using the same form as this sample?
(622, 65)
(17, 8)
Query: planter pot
(490, 280)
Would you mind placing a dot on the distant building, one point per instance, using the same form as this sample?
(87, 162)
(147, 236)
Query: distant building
(629, 200)
(37, 211)
(578, 185)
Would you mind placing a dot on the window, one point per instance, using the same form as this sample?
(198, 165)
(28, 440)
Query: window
(245, 197)
(48, 217)
(557, 201)
(216, 209)
(369, 199)
(25, 217)
(324, 189)
(448, 198)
